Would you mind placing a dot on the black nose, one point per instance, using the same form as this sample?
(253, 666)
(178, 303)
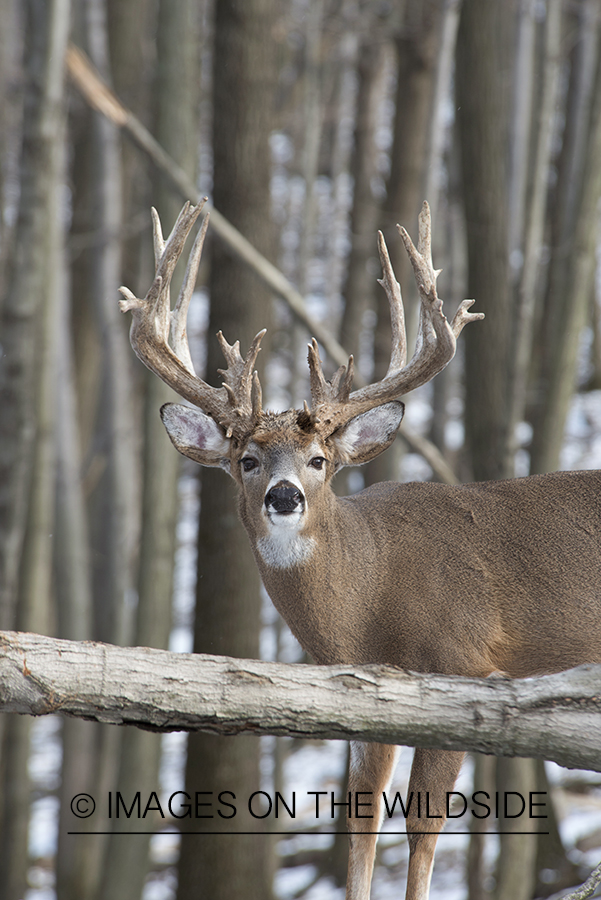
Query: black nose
(283, 497)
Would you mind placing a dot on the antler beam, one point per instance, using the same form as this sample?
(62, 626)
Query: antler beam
(237, 404)
(332, 404)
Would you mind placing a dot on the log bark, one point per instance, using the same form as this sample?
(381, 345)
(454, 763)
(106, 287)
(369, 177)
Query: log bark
(556, 717)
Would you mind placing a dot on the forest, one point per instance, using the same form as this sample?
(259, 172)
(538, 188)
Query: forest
(309, 125)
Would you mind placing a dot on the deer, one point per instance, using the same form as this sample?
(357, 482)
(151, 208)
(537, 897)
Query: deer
(474, 579)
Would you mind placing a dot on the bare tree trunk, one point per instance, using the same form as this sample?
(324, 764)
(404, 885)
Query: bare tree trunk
(105, 412)
(373, 65)
(575, 230)
(228, 598)
(516, 875)
(445, 58)
(176, 93)
(483, 77)
(311, 117)
(482, 82)
(11, 108)
(520, 131)
(484, 780)
(358, 289)
(528, 292)
(417, 46)
(28, 392)
(437, 137)
(74, 615)
(116, 525)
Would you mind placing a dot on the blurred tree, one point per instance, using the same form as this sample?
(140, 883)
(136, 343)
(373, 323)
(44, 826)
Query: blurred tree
(506, 156)
(574, 237)
(228, 592)
(107, 431)
(417, 45)
(176, 128)
(483, 75)
(28, 393)
(373, 56)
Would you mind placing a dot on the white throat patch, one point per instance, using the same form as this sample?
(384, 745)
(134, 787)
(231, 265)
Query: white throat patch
(284, 548)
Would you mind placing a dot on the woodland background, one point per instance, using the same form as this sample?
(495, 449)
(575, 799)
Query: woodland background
(310, 124)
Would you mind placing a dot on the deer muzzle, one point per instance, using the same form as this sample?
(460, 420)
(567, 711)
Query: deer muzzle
(284, 498)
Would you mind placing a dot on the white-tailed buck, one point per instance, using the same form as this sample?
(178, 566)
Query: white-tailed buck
(469, 580)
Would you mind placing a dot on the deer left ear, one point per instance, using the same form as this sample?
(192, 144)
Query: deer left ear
(368, 435)
(196, 435)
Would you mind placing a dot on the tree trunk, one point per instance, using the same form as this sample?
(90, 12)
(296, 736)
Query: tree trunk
(27, 390)
(115, 524)
(482, 83)
(516, 874)
(417, 47)
(528, 289)
(575, 230)
(102, 359)
(176, 94)
(74, 615)
(11, 108)
(363, 260)
(228, 596)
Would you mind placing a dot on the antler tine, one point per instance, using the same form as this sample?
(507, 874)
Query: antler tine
(421, 259)
(398, 356)
(236, 405)
(342, 381)
(436, 341)
(317, 382)
(149, 333)
(256, 397)
(166, 255)
(241, 382)
(158, 241)
(462, 317)
(326, 395)
(179, 316)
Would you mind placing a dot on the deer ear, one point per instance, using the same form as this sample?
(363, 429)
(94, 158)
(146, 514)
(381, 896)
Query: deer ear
(367, 435)
(196, 435)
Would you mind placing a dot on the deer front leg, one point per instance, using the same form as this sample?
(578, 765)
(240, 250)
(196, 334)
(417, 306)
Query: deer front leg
(370, 771)
(433, 773)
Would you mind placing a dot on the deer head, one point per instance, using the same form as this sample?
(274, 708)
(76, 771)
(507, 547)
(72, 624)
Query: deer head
(284, 462)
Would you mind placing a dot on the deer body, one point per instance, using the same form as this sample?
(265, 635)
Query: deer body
(468, 580)
(525, 592)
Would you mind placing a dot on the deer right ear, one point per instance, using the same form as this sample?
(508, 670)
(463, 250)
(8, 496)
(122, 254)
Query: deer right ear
(196, 435)
(367, 435)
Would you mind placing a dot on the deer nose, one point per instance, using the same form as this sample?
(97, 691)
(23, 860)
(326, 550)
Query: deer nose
(284, 497)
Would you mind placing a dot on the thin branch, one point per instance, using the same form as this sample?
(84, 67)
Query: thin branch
(588, 888)
(89, 83)
(555, 717)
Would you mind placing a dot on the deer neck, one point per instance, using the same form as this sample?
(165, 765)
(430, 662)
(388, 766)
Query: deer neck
(315, 584)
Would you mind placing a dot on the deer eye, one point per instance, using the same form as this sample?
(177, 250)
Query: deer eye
(317, 462)
(248, 463)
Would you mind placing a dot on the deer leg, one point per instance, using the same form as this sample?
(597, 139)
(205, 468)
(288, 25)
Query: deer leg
(370, 771)
(433, 774)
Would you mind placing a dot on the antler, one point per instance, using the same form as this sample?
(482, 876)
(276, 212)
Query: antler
(237, 405)
(332, 404)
